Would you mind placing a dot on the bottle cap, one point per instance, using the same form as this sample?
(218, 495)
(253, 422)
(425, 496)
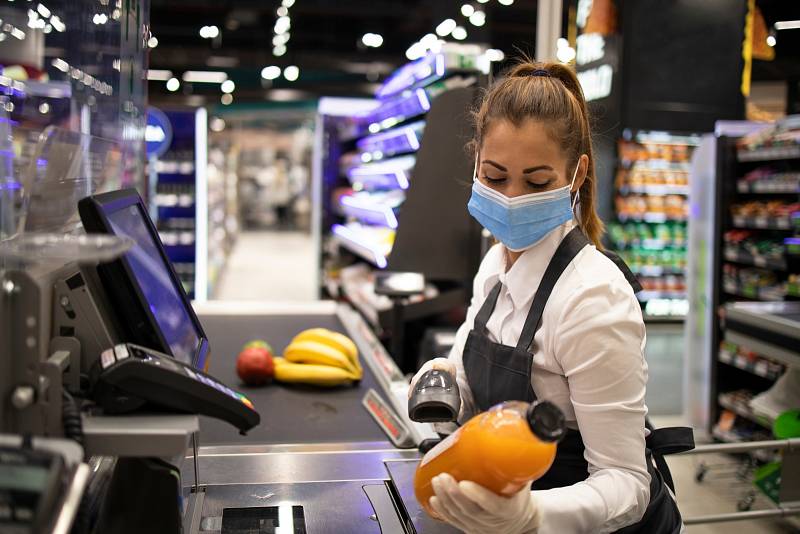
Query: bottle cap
(546, 421)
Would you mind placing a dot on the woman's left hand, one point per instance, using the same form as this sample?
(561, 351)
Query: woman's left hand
(473, 508)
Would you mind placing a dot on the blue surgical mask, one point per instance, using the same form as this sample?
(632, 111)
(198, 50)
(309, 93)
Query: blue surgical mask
(520, 222)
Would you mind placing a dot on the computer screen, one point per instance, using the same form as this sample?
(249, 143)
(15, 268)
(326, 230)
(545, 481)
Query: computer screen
(156, 284)
(151, 305)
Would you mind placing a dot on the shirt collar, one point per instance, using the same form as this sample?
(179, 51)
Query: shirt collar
(524, 277)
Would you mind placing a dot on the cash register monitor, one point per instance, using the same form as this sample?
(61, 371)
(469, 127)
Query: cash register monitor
(144, 290)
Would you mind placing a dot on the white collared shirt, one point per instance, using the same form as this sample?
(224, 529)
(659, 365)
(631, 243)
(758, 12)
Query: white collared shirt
(590, 362)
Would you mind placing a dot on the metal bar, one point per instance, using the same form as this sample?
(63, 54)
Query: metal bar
(194, 513)
(729, 448)
(72, 500)
(195, 461)
(548, 29)
(742, 516)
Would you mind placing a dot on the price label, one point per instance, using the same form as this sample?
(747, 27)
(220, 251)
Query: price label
(761, 221)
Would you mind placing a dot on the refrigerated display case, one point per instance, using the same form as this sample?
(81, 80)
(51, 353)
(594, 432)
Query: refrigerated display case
(652, 208)
(392, 187)
(746, 266)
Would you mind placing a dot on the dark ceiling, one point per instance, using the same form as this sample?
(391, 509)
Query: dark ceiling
(325, 40)
(326, 44)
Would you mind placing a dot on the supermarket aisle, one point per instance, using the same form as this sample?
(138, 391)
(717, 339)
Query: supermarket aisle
(276, 266)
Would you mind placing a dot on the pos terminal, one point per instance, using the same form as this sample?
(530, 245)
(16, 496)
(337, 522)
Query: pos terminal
(162, 365)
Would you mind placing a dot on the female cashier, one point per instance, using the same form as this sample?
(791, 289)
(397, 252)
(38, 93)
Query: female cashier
(552, 317)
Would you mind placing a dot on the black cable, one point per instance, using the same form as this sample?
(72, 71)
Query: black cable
(71, 418)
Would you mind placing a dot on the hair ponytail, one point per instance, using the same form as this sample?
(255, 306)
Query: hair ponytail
(549, 92)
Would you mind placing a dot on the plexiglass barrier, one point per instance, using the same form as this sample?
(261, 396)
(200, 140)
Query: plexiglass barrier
(44, 175)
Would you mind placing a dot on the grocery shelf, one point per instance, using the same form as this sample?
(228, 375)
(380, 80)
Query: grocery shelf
(398, 140)
(653, 218)
(368, 210)
(726, 436)
(765, 348)
(657, 270)
(658, 165)
(644, 296)
(655, 190)
(392, 173)
(740, 256)
(792, 245)
(793, 290)
(759, 367)
(768, 187)
(360, 242)
(752, 292)
(730, 402)
(649, 244)
(762, 222)
(769, 153)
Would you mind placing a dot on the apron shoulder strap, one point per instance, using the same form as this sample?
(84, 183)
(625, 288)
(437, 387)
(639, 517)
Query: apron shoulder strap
(488, 307)
(569, 247)
(626, 271)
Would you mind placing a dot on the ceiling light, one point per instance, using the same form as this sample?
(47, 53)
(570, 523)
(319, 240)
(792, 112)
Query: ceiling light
(445, 27)
(429, 40)
(271, 72)
(227, 86)
(226, 99)
(152, 42)
(216, 124)
(283, 11)
(565, 54)
(287, 3)
(279, 50)
(204, 32)
(506, 2)
(291, 73)
(467, 10)
(771, 41)
(459, 33)
(478, 18)
(482, 1)
(44, 108)
(415, 51)
(43, 10)
(493, 54)
(373, 40)
(562, 43)
(159, 75)
(213, 32)
(787, 25)
(283, 24)
(204, 76)
(173, 84)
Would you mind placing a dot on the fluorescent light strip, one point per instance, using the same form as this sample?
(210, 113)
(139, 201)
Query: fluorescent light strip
(159, 75)
(204, 76)
(787, 25)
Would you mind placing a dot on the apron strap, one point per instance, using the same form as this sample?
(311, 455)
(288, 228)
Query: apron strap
(565, 253)
(487, 309)
(669, 440)
(626, 271)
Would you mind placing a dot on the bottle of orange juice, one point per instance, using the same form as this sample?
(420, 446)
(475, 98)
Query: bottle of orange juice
(502, 449)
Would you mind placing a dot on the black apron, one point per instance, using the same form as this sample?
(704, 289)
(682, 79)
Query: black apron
(497, 373)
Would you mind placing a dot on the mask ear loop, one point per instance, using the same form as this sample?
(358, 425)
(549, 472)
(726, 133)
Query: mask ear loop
(577, 193)
(475, 170)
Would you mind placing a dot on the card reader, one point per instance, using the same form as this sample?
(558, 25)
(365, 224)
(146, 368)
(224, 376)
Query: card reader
(127, 376)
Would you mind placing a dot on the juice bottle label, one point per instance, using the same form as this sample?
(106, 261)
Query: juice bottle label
(445, 444)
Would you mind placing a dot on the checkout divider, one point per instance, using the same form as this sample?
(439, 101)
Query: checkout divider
(318, 461)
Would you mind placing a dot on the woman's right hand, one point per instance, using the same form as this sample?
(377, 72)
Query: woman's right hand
(441, 364)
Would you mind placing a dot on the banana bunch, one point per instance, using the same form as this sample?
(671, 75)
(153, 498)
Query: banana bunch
(319, 357)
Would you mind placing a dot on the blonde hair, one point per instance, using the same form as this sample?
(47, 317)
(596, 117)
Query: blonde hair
(547, 92)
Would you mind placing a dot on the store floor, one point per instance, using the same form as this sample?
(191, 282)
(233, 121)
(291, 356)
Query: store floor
(276, 266)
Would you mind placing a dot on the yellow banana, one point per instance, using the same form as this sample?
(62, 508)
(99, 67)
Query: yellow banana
(334, 340)
(315, 375)
(317, 353)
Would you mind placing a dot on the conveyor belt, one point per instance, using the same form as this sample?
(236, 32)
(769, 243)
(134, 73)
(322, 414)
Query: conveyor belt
(289, 414)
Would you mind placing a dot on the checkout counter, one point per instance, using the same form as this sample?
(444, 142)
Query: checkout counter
(319, 459)
(160, 401)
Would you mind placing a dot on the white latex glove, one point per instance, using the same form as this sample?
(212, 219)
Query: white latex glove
(442, 364)
(474, 509)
